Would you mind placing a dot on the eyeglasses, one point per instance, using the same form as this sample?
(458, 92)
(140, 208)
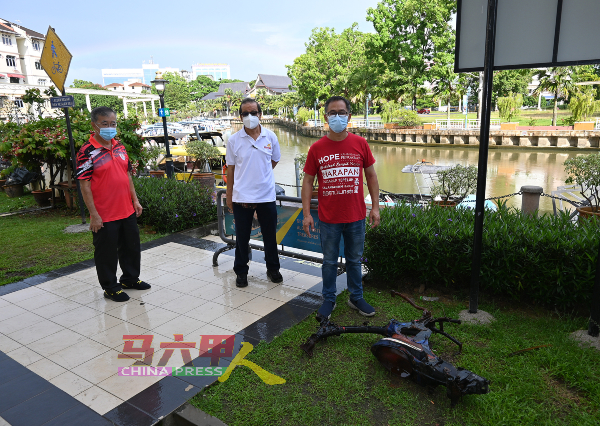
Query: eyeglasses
(104, 124)
(252, 113)
(331, 114)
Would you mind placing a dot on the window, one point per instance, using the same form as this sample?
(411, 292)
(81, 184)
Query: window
(19, 103)
(41, 81)
(6, 39)
(10, 61)
(14, 80)
(38, 65)
(36, 45)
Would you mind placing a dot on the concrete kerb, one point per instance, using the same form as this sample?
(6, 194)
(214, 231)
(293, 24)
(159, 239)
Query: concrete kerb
(585, 340)
(481, 317)
(77, 229)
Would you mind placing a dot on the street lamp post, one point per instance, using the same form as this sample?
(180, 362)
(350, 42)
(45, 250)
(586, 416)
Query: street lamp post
(316, 103)
(367, 107)
(160, 85)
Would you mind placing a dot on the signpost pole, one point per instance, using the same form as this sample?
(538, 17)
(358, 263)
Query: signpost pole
(74, 161)
(484, 138)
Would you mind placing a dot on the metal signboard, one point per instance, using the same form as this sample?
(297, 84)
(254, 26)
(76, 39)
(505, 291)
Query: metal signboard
(529, 34)
(55, 59)
(164, 112)
(62, 102)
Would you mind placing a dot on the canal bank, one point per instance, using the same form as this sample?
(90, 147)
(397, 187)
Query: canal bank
(587, 140)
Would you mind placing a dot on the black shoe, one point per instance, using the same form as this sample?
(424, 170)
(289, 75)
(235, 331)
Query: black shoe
(140, 285)
(274, 276)
(241, 281)
(117, 296)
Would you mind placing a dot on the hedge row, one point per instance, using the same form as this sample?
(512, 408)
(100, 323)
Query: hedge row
(548, 259)
(171, 205)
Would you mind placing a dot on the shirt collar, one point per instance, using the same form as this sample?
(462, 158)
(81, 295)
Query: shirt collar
(263, 132)
(97, 145)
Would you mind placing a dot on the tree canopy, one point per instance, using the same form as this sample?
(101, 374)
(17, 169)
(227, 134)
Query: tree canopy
(95, 100)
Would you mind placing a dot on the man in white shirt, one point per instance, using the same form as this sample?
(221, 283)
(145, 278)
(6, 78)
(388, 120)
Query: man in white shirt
(252, 154)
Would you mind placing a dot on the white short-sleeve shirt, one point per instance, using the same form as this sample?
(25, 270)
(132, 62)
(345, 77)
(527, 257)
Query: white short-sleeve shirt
(254, 181)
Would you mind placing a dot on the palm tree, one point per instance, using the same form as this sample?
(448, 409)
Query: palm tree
(558, 81)
(228, 95)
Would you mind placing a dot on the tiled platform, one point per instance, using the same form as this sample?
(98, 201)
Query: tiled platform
(60, 338)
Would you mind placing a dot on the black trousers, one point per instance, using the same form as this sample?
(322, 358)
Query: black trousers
(117, 241)
(267, 218)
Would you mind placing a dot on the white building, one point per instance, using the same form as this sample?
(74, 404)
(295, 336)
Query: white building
(217, 71)
(129, 86)
(20, 67)
(145, 74)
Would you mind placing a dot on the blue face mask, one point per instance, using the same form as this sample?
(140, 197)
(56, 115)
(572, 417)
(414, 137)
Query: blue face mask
(107, 133)
(338, 123)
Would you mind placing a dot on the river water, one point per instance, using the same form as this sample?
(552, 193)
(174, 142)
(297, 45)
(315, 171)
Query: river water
(508, 169)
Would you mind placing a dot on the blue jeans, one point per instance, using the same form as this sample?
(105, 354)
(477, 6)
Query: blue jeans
(354, 243)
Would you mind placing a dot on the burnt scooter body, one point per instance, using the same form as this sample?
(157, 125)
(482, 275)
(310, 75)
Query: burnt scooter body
(405, 351)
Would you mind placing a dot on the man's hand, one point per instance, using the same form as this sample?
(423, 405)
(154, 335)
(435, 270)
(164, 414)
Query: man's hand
(374, 218)
(95, 222)
(308, 224)
(138, 208)
(230, 202)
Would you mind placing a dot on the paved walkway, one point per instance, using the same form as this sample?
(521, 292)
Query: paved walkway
(60, 338)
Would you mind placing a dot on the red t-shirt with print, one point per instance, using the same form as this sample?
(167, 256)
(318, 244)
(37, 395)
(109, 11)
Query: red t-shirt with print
(339, 166)
(108, 170)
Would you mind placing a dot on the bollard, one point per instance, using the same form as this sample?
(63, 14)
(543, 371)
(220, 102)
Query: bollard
(530, 201)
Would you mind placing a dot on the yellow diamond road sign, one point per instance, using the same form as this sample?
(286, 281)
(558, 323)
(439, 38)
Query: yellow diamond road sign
(55, 59)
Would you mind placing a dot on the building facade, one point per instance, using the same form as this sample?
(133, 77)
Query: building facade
(218, 71)
(144, 75)
(20, 67)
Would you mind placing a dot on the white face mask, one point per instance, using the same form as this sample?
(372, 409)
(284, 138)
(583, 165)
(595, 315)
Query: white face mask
(250, 121)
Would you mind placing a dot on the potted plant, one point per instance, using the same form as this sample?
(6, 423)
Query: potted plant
(454, 184)
(202, 152)
(584, 171)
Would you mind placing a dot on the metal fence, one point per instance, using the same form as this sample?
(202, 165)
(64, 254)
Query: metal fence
(372, 124)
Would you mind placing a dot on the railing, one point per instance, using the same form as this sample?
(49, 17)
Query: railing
(373, 124)
(315, 123)
(474, 124)
(597, 127)
(449, 124)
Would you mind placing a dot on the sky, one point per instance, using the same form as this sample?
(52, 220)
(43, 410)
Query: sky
(252, 37)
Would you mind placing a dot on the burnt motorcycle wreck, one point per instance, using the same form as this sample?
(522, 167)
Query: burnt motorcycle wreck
(404, 351)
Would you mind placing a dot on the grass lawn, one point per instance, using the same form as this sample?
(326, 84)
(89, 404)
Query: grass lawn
(34, 243)
(13, 204)
(344, 384)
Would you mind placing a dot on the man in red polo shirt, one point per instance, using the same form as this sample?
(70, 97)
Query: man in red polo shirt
(107, 187)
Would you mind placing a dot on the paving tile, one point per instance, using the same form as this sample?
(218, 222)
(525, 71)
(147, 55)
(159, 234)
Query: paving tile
(283, 293)
(180, 325)
(24, 356)
(113, 337)
(255, 286)
(3, 422)
(153, 318)
(208, 311)
(261, 305)
(43, 299)
(166, 279)
(128, 415)
(46, 369)
(210, 291)
(56, 284)
(235, 320)
(302, 281)
(88, 296)
(125, 387)
(158, 297)
(11, 288)
(11, 370)
(99, 400)
(57, 308)
(148, 274)
(21, 295)
(234, 298)
(21, 389)
(56, 342)
(85, 275)
(74, 316)
(164, 396)
(96, 324)
(4, 303)
(192, 270)
(19, 322)
(7, 344)
(71, 383)
(11, 311)
(77, 416)
(41, 408)
(274, 323)
(102, 367)
(129, 310)
(78, 354)
(183, 304)
(35, 332)
(71, 290)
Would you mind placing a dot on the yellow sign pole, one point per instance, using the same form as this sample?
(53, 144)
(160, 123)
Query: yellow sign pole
(56, 60)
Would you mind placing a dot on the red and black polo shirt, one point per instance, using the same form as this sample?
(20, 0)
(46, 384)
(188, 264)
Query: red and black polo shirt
(108, 170)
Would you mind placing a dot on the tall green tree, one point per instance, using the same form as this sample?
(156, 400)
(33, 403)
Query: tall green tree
(410, 34)
(558, 81)
(177, 91)
(202, 86)
(330, 64)
(507, 82)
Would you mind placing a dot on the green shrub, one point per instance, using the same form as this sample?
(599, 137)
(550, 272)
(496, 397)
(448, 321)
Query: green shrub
(406, 118)
(171, 205)
(548, 259)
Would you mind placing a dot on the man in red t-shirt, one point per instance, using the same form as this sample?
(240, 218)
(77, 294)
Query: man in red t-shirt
(104, 170)
(338, 161)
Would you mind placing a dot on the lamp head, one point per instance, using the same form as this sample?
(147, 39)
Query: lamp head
(159, 83)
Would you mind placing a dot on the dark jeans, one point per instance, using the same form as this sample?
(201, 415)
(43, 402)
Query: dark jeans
(267, 218)
(117, 241)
